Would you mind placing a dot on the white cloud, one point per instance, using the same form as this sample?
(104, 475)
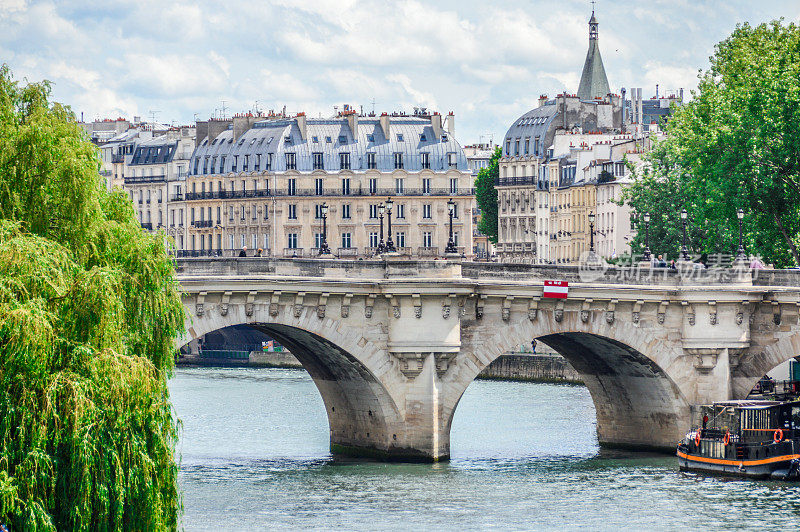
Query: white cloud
(487, 62)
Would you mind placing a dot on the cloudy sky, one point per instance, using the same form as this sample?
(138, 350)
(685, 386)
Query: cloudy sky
(487, 62)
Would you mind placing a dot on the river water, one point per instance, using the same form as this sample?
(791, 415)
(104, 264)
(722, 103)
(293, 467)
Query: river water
(254, 456)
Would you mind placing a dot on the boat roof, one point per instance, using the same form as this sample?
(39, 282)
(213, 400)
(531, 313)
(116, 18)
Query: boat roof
(753, 403)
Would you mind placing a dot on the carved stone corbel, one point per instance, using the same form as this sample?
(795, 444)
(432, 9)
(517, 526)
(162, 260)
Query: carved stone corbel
(446, 303)
(637, 310)
(712, 312)
(443, 361)
(662, 312)
(506, 310)
(705, 359)
(585, 310)
(688, 310)
(322, 304)
(558, 313)
(410, 363)
(533, 308)
(610, 310)
(345, 312)
(299, 300)
(198, 306)
(417, 300)
(776, 313)
(226, 299)
(273, 303)
(395, 304)
(248, 307)
(462, 307)
(479, 306)
(369, 304)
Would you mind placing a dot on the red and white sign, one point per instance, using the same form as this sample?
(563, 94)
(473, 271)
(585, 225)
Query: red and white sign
(556, 289)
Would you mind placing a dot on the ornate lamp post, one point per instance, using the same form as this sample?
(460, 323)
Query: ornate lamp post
(451, 245)
(684, 250)
(323, 248)
(381, 245)
(389, 242)
(740, 256)
(647, 254)
(591, 232)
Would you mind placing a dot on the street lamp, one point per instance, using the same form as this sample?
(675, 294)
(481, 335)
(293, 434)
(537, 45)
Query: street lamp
(591, 232)
(389, 243)
(647, 254)
(740, 253)
(684, 251)
(451, 245)
(381, 245)
(323, 248)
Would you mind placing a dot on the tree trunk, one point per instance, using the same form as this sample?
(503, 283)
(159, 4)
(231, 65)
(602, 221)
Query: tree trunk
(792, 247)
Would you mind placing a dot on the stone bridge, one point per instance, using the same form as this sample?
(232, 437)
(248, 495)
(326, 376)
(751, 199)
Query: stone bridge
(393, 344)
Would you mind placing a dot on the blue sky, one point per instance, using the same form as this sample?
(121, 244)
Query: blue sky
(486, 62)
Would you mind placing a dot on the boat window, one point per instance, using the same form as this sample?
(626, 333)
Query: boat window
(796, 417)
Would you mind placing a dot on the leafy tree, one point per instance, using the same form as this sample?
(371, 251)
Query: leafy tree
(735, 145)
(486, 195)
(89, 308)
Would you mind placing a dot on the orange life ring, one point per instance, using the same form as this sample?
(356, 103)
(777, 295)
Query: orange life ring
(697, 438)
(778, 437)
(727, 439)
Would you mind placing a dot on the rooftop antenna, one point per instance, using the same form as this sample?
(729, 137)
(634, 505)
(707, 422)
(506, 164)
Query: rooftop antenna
(373, 105)
(223, 109)
(153, 116)
(593, 3)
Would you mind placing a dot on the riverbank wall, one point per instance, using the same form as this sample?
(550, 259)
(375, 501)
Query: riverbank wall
(532, 368)
(546, 367)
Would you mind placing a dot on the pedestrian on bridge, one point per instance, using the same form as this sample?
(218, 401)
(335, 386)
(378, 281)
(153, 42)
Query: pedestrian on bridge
(243, 252)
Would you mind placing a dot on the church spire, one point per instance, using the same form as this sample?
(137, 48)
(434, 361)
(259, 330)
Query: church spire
(594, 83)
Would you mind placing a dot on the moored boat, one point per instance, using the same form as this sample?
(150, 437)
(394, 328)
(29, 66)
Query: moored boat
(759, 439)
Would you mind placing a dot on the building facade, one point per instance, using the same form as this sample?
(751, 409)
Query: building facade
(559, 158)
(262, 182)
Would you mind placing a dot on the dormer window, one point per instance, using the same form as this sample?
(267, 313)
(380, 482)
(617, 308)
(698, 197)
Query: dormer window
(328, 140)
(315, 140)
(399, 137)
(423, 137)
(287, 139)
(370, 137)
(444, 138)
(342, 139)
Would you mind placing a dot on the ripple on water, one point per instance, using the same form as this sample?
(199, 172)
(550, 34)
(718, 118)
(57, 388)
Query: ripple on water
(254, 450)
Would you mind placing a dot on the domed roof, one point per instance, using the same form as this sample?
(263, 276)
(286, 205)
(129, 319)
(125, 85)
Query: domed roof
(534, 123)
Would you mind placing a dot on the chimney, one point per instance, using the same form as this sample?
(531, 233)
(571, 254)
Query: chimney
(384, 120)
(301, 125)
(451, 124)
(656, 91)
(436, 124)
(352, 121)
(542, 100)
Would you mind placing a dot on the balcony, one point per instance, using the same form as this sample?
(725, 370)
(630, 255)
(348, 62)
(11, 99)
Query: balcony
(147, 225)
(145, 179)
(176, 197)
(203, 223)
(331, 192)
(427, 251)
(293, 252)
(117, 158)
(199, 253)
(347, 252)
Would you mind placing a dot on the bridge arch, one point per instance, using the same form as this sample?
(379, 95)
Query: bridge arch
(363, 416)
(631, 374)
(759, 360)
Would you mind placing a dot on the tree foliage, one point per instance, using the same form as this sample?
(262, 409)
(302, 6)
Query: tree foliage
(486, 195)
(735, 145)
(89, 308)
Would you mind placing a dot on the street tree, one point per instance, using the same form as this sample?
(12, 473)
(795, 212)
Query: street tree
(735, 145)
(486, 195)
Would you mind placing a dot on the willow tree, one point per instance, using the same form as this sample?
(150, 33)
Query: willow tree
(735, 145)
(89, 307)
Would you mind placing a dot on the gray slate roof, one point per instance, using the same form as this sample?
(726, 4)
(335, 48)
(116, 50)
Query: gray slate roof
(594, 82)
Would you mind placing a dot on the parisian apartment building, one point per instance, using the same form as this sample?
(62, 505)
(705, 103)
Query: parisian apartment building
(565, 164)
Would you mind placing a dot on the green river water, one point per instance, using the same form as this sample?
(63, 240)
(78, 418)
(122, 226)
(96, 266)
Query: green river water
(254, 456)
